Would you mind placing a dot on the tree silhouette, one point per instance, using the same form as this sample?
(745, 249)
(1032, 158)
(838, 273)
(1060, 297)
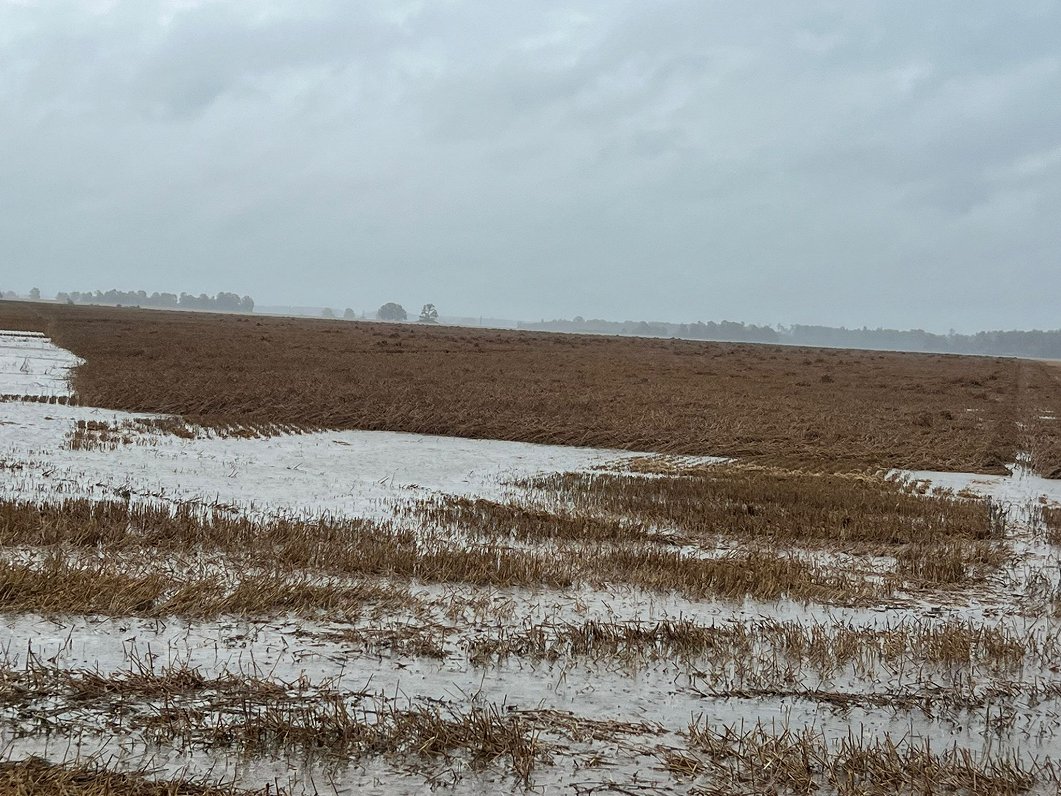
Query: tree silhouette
(223, 302)
(392, 312)
(429, 314)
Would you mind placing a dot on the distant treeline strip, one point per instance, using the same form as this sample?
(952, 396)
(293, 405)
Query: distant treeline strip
(222, 302)
(1044, 344)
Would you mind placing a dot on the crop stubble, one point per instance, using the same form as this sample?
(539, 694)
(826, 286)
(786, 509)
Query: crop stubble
(659, 534)
(832, 409)
(824, 412)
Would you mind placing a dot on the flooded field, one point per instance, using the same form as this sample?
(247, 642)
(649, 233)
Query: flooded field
(381, 612)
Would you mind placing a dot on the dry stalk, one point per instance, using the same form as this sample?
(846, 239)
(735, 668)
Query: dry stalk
(767, 760)
(37, 777)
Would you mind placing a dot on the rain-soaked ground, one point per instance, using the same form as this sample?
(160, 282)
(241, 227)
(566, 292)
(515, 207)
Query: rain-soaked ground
(605, 720)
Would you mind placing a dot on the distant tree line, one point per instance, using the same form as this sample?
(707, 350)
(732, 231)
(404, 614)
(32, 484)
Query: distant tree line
(1045, 344)
(1034, 343)
(391, 311)
(730, 331)
(222, 302)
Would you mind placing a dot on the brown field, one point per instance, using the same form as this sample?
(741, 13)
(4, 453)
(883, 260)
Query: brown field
(1040, 413)
(653, 623)
(820, 408)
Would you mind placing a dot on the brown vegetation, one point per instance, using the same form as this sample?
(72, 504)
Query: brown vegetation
(839, 410)
(810, 648)
(108, 435)
(936, 540)
(38, 777)
(1040, 391)
(348, 547)
(660, 534)
(262, 716)
(1052, 521)
(829, 529)
(734, 576)
(61, 585)
(771, 505)
(766, 760)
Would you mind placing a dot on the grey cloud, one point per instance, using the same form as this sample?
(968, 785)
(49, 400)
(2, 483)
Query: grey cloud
(815, 162)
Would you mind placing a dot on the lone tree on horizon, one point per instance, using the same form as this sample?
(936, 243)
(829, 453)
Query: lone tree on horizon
(428, 314)
(392, 312)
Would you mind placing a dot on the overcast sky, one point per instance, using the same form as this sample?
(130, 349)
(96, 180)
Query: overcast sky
(891, 163)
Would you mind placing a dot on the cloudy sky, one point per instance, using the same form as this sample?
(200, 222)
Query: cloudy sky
(882, 162)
